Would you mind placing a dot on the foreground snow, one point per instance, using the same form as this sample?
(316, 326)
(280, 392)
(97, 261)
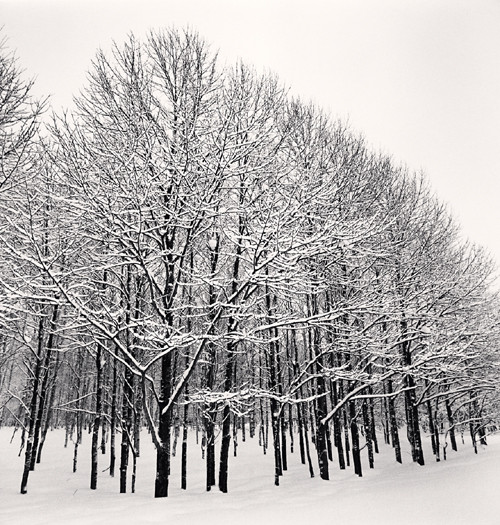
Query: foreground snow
(464, 489)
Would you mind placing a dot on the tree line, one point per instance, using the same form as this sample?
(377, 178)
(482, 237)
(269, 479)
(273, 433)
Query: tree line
(192, 248)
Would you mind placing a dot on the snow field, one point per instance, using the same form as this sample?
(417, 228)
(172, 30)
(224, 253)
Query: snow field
(464, 489)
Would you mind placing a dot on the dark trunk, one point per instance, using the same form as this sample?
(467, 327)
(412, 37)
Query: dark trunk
(337, 429)
(127, 404)
(276, 442)
(321, 402)
(137, 417)
(308, 452)
(412, 420)
(224, 451)
(44, 384)
(473, 436)
(184, 443)
(368, 433)
(482, 435)
(275, 408)
(394, 423)
(163, 451)
(436, 433)
(451, 422)
(78, 418)
(384, 408)
(356, 456)
(210, 416)
(411, 409)
(373, 428)
(226, 413)
(29, 453)
(97, 418)
(346, 439)
(228, 377)
(301, 436)
(104, 436)
(235, 436)
(210, 409)
(48, 415)
(112, 425)
(432, 429)
(284, 462)
(279, 389)
(231, 347)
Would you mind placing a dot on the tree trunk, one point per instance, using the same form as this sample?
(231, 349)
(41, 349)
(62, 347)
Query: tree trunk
(451, 422)
(346, 439)
(321, 402)
(412, 418)
(356, 456)
(301, 436)
(274, 387)
(112, 425)
(210, 409)
(127, 405)
(184, 442)
(308, 452)
(224, 451)
(99, 359)
(337, 429)
(48, 415)
(163, 451)
(368, 433)
(226, 417)
(432, 429)
(231, 347)
(394, 423)
(44, 385)
(33, 405)
(104, 436)
(373, 428)
(436, 433)
(413, 422)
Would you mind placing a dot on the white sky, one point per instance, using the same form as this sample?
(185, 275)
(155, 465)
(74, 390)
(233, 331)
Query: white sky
(419, 78)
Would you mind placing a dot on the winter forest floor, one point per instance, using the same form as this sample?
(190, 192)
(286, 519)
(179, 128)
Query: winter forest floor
(463, 489)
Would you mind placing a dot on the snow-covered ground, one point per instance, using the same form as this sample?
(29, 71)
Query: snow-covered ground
(464, 489)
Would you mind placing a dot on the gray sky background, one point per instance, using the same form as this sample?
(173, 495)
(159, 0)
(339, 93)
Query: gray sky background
(419, 78)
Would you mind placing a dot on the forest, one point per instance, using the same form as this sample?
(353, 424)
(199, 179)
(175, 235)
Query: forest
(191, 249)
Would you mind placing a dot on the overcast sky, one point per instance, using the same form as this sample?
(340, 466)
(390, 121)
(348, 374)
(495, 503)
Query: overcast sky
(419, 78)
